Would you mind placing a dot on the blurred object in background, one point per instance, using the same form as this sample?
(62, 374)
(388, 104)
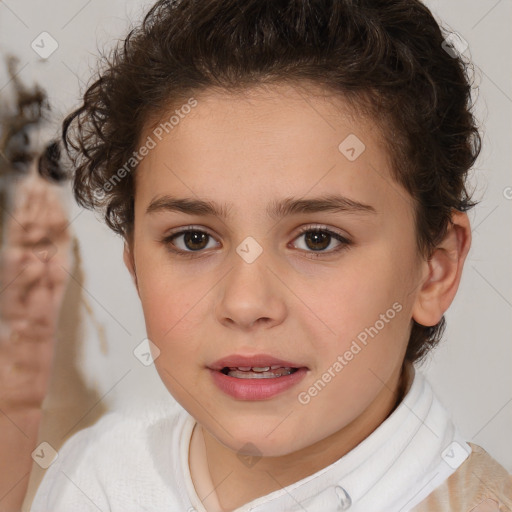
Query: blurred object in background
(42, 396)
(23, 141)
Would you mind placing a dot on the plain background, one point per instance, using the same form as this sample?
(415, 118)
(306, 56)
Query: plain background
(471, 370)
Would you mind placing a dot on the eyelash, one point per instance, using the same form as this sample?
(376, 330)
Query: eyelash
(344, 242)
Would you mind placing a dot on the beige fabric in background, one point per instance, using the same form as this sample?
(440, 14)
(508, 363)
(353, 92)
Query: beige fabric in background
(480, 484)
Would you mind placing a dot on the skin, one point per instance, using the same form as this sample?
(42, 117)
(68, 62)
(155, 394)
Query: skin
(249, 149)
(33, 279)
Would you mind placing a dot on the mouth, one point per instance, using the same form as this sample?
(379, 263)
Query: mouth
(255, 372)
(259, 377)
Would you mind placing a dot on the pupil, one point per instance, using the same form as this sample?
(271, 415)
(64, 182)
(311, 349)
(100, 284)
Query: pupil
(193, 238)
(316, 236)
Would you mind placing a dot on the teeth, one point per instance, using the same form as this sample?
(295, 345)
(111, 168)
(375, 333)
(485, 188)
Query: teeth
(265, 372)
(255, 368)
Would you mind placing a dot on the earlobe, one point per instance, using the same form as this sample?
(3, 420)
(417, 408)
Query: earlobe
(130, 264)
(443, 272)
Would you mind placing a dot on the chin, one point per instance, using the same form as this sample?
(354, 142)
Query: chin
(248, 438)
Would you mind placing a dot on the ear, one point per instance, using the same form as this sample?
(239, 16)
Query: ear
(130, 263)
(443, 271)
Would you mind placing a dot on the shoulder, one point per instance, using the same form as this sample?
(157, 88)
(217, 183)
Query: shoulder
(97, 460)
(117, 429)
(480, 480)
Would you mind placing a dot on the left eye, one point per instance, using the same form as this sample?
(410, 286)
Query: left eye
(195, 240)
(318, 239)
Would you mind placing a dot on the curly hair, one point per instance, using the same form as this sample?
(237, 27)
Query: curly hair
(387, 57)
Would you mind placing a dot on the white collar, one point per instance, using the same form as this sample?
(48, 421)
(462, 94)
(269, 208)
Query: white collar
(395, 468)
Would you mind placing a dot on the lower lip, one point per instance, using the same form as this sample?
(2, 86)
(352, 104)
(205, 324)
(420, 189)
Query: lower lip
(256, 389)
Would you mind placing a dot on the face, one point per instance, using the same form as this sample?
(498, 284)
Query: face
(276, 264)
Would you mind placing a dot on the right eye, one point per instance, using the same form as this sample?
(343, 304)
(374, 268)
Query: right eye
(192, 240)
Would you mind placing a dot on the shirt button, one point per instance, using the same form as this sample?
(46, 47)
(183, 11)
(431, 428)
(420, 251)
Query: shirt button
(344, 498)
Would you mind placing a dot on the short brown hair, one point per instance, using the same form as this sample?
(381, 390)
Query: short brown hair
(389, 56)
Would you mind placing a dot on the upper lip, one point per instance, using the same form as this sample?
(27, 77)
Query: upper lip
(257, 360)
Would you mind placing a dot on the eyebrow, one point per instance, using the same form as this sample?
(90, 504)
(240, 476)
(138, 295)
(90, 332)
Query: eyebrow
(275, 210)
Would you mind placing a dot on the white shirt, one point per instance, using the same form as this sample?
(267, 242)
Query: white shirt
(138, 461)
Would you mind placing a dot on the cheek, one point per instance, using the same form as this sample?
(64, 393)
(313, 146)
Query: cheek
(172, 324)
(167, 302)
(367, 299)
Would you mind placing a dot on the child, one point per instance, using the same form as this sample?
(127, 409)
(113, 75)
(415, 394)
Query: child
(289, 179)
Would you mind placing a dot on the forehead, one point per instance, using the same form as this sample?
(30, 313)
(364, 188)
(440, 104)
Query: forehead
(277, 138)
(263, 111)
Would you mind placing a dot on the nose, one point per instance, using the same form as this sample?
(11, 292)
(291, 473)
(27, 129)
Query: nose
(251, 295)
